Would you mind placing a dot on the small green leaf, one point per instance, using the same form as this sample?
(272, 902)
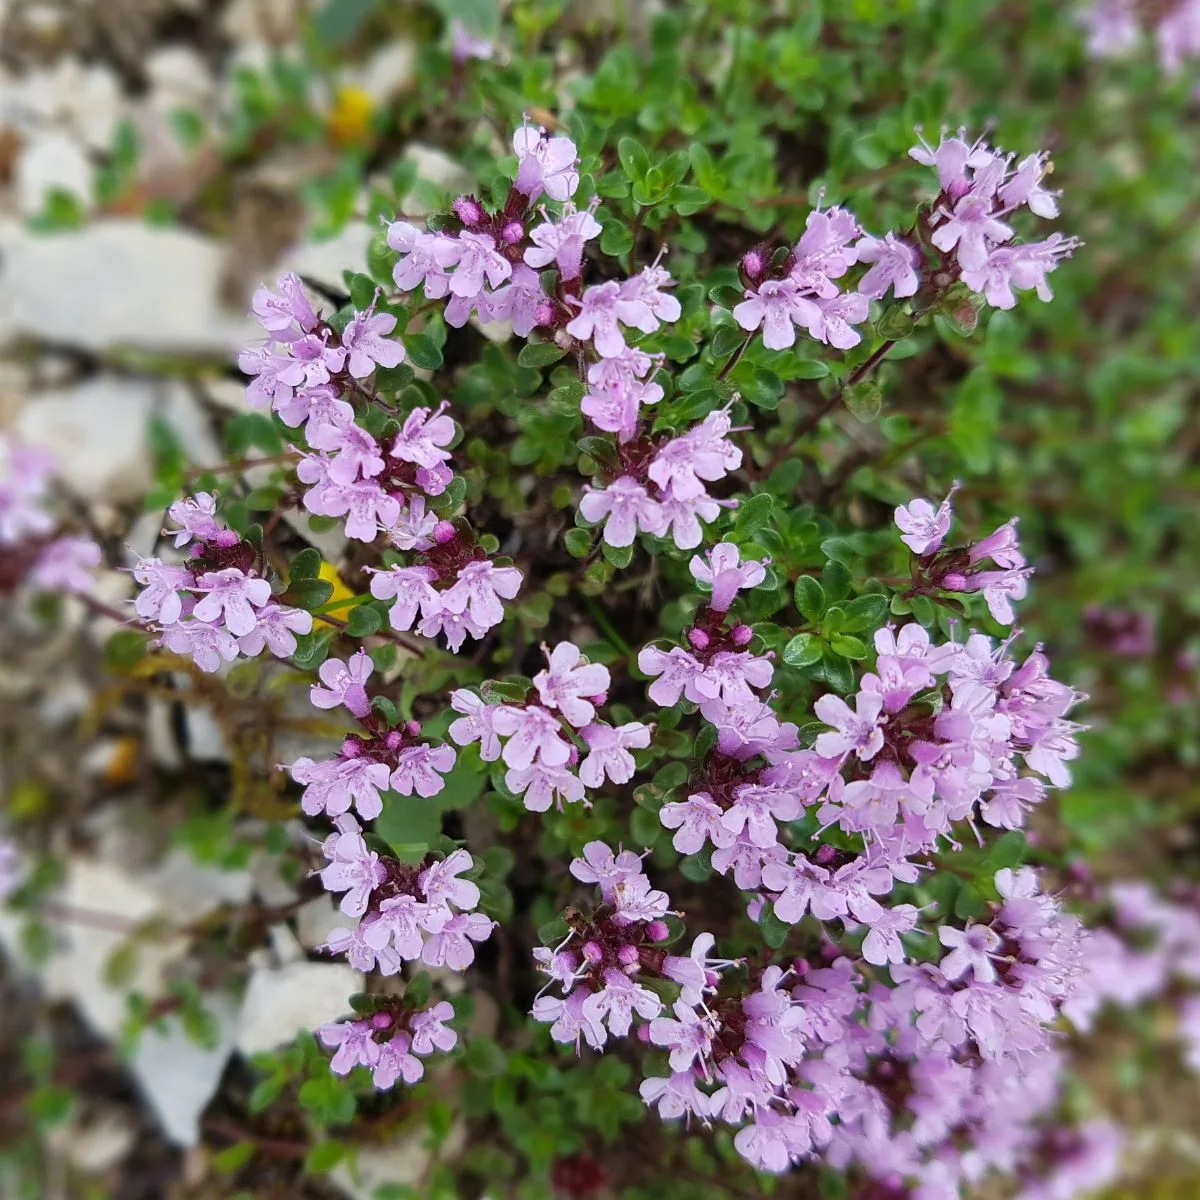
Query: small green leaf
(848, 646)
(306, 565)
(634, 159)
(866, 612)
(422, 351)
(539, 354)
(802, 651)
(810, 597)
(309, 594)
(619, 556)
(124, 648)
(578, 542)
(324, 1156)
(808, 368)
(363, 621)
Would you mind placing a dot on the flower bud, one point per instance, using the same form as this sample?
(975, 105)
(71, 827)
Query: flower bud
(699, 639)
(381, 1020)
(628, 956)
(351, 748)
(658, 931)
(444, 532)
(512, 233)
(468, 210)
(742, 635)
(593, 952)
(413, 727)
(394, 739)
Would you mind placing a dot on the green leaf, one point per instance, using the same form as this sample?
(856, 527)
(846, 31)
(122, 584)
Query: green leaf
(306, 565)
(634, 160)
(265, 1093)
(808, 368)
(386, 709)
(309, 593)
(619, 556)
(311, 649)
(810, 598)
(324, 1156)
(233, 1158)
(754, 515)
(835, 578)
(363, 621)
(848, 646)
(578, 542)
(422, 351)
(838, 672)
(617, 239)
(866, 612)
(864, 401)
(409, 824)
(725, 296)
(895, 324)
(802, 651)
(124, 648)
(539, 354)
(774, 930)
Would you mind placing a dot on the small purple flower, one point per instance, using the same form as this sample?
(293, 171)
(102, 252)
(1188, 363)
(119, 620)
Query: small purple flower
(894, 265)
(922, 527)
(344, 684)
(599, 309)
(276, 627)
(561, 242)
(479, 588)
(440, 883)
(277, 314)
(412, 590)
(625, 507)
(544, 164)
(777, 307)
(66, 565)
(423, 437)
(206, 644)
(609, 752)
(196, 516)
(450, 945)
(566, 685)
(723, 570)
(420, 769)
(858, 730)
(532, 733)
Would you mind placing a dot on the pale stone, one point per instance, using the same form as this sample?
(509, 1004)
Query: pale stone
(281, 1001)
(402, 1162)
(118, 283)
(387, 72)
(94, 1142)
(437, 168)
(326, 260)
(316, 920)
(187, 886)
(178, 1077)
(52, 161)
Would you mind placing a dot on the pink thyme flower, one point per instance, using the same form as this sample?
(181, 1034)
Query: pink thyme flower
(722, 568)
(412, 590)
(196, 516)
(440, 883)
(894, 265)
(777, 307)
(423, 437)
(476, 724)
(532, 733)
(561, 242)
(544, 164)
(278, 313)
(599, 865)
(162, 583)
(276, 627)
(609, 752)
(479, 588)
(420, 769)
(478, 260)
(599, 309)
(206, 644)
(231, 594)
(625, 507)
(566, 685)
(450, 944)
(858, 730)
(366, 343)
(66, 564)
(922, 527)
(345, 684)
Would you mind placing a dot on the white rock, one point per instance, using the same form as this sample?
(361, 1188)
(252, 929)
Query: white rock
(204, 737)
(325, 260)
(269, 885)
(94, 1143)
(260, 20)
(179, 1077)
(282, 1001)
(186, 886)
(52, 161)
(316, 920)
(97, 431)
(117, 283)
(403, 1161)
(161, 737)
(284, 945)
(96, 909)
(180, 408)
(179, 78)
(387, 72)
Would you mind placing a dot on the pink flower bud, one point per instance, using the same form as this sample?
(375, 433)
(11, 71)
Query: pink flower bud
(444, 532)
(642, 1033)
(394, 739)
(599, 698)
(753, 265)
(226, 538)
(512, 233)
(351, 748)
(593, 952)
(742, 635)
(413, 727)
(628, 956)
(699, 639)
(468, 210)
(381, 1020)
(658, 931)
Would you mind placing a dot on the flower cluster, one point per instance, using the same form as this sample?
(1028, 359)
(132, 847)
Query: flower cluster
(214, 605)
(608, 955)
(446, 584)
(1115, 28)
(404, 912)
(367, 765)
(659, 488)
(540, 737)
(29, 550)
(970, 220)
(795, 286)
(923, 529)
(391, 1040)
